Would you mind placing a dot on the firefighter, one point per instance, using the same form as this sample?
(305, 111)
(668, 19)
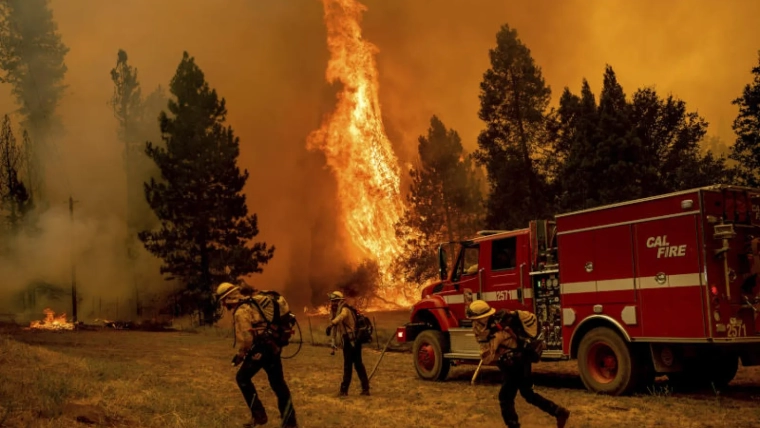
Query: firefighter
(342, 326)
(256, 351)
(499, 343)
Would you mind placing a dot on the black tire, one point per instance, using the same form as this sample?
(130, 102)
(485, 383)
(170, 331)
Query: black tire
(427, 352)
(606, 363)
(723, 371)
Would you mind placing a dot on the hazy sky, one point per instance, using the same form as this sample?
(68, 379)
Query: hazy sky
(267, 58)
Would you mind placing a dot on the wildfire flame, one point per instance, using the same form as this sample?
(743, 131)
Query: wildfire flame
(354, 141)
(52, 322)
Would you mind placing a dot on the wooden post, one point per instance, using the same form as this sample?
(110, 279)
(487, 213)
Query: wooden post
(73, 267)
(377, 332)
(311, 333)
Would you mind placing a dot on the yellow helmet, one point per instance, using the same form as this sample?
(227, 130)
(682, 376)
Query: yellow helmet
(479, 309)
(224, 290)
(335, 295)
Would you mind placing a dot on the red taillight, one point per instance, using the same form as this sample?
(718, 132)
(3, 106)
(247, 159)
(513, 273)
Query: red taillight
(714, 290)
(401, 335)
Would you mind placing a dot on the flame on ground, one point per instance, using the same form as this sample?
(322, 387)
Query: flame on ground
(52, 322)
(354, 141)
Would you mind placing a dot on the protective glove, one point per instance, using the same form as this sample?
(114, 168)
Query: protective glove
(236, 360)
(328, 330)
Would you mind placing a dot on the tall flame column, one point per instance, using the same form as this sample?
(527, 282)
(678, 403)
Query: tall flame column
(354, 141)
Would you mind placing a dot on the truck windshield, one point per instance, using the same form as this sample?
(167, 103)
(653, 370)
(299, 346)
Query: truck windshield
(467, 264)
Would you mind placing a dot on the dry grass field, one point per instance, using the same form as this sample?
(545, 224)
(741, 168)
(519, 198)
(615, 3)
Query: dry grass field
(184, 379)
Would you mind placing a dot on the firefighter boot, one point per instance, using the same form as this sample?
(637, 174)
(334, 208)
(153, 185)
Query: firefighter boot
(258, 415)
(343, 391)
(257, 421)
(562, 416)
(365, 391)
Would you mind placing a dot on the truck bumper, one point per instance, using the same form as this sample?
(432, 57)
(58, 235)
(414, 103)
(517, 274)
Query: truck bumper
(408, 332)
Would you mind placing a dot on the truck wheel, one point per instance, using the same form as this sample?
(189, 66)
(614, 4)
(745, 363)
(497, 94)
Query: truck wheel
(428, 350)
(606, 363)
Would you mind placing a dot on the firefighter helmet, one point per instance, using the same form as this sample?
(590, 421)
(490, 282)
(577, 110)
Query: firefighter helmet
(224, 290)
(335, 295)
(479, 309)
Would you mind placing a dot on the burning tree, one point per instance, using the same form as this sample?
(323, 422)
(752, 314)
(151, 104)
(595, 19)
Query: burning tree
(205, 224)
(361, 283)
(444, 203)
(355, 144)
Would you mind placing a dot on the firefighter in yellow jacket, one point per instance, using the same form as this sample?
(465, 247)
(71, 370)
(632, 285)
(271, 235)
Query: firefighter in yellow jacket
(256, 351)
(500, 343)
(342, 326)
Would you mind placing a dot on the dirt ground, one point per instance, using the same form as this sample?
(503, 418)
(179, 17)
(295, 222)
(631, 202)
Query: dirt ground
(184, 379)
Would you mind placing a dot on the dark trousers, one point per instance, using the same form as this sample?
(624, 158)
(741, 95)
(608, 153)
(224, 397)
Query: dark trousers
(352, 358)
(519, 377)
(272, 365)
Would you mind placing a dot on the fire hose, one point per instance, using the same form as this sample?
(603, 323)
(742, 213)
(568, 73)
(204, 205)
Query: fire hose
(381, 356)
(475, 375)
(300, 342)
(237, 360)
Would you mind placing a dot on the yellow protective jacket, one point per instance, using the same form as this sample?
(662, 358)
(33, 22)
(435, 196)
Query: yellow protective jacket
(343, 323)
(249, 322)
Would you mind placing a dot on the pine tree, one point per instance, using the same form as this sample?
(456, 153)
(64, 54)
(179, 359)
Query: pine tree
(575, 134)
(131, 112)
(137, 117)
(746, 150)
(671, 141)
(14, 197)
(32, 57)
(444, 202)
(126, 103)
(513, 102)
(205, 224)
(621, 150)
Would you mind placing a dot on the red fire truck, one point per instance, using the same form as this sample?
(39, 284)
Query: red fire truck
(662, 285)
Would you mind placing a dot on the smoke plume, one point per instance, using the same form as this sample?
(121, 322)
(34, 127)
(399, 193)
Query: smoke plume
(268, 59)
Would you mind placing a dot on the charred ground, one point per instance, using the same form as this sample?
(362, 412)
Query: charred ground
(183, 379)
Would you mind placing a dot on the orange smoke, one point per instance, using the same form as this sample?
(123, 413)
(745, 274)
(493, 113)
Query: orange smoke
(354, 141)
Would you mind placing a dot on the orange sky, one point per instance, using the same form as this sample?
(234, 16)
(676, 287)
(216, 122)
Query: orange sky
(267, 58)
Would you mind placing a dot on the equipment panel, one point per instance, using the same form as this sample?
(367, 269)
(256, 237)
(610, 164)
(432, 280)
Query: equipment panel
(548, 310)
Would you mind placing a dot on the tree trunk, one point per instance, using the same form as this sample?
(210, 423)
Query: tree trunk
(207, 307)
(527, 161)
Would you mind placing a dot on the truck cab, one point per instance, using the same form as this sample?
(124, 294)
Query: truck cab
(508, 269)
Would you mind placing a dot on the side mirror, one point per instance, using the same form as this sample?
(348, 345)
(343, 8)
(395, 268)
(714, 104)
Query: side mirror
(442, 269)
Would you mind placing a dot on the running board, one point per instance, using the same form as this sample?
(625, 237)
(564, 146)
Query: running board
(547, 355)
(554, 355)
(461, 356)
